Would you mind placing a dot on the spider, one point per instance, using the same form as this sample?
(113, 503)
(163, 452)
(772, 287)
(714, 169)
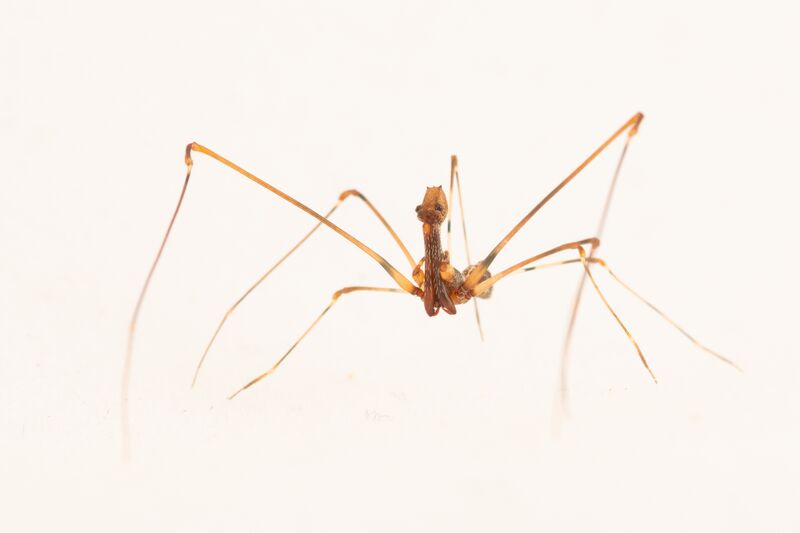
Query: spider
(438, 284)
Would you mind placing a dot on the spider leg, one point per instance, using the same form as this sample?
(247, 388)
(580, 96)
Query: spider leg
(474, 279)
(334, 299)
(454, 178)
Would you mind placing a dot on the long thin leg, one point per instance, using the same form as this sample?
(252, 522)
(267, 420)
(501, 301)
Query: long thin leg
(454, 178)
(579, 246)
(399, 278)
(669, 320)
(126, 367)
(474, 279)
(586, 269)
(342, 197)
(576, 301)
(334, 298)
(592, 242)
(659, 312)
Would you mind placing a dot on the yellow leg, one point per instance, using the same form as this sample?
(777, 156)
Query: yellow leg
(334, 298)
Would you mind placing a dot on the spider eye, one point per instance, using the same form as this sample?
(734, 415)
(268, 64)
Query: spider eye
(418, 208)
(439, 207)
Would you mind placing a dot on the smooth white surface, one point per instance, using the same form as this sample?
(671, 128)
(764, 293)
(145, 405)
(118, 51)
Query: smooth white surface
(384, 419)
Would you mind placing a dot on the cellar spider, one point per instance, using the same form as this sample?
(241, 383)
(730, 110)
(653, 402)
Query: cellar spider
(434, 280)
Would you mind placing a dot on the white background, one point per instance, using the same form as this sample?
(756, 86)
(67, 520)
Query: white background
(385, 419)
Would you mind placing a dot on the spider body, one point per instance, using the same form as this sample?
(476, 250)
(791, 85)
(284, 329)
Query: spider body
(442, 285)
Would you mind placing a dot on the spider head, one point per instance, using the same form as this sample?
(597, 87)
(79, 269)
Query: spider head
(433, 209)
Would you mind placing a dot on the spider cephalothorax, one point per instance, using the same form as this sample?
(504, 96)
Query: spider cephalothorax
(441, 283)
